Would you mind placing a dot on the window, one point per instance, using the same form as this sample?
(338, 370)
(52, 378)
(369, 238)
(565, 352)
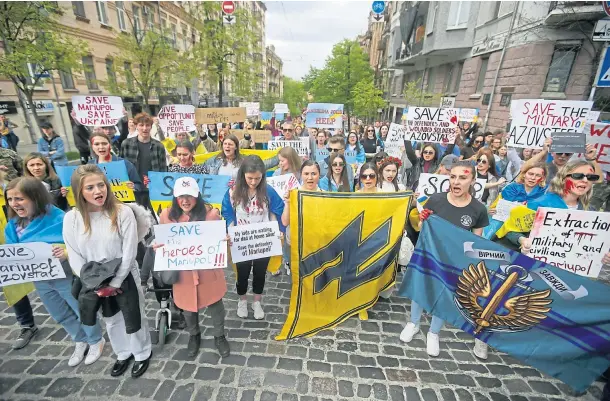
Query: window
(89, 67)
(505, 100)
(432, 9)
(482, 73)
(459, 11)
(128, 76)
(67, 81)
(110, 72)
(148, 16)
(102, 17)
(163, 18)
(184, 37)
(430, 80)
(458, 77)
(79, 9)
(495, 8)
(448, 78)
(34, 71)
(120, 12)
(560, 68)
(174, 34)
(137, 24)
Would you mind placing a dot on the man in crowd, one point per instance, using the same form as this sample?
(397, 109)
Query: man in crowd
(287, 133)
(336, 144)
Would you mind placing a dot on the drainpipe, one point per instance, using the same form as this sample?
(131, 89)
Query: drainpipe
(493, 88)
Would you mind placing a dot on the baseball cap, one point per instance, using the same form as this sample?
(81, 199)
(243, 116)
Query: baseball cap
(448, 161)
(186, 186)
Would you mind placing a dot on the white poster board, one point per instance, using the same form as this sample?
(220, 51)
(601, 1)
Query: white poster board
(301, 145)
(447, 102)
(432, 124)
(253, 109)
(98, 111)
(468, 115)
(593, 116)
(191, 246)
(281, 108)
(503, 208)
(571, 240)
(395, 140)
(255, 241)
(598, 134)
(174, 118)
(283, 183)
(430, 184)
(27, 262)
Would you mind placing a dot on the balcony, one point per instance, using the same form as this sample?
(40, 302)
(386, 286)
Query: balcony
(566, 12)
(405, 56)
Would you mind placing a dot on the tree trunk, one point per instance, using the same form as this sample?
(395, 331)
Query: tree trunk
(220, 89)
(30, 98)
(32, 123)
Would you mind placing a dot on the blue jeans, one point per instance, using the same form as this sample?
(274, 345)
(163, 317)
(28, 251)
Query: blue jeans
(416, 311)
(286, 252)
(56, 295)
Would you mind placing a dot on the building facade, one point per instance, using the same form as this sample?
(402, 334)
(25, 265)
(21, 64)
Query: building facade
(275, 75)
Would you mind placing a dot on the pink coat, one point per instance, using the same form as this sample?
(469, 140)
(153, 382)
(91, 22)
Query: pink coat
(197, 289)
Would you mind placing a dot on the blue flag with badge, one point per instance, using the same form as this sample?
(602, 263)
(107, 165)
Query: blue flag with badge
(551, 319)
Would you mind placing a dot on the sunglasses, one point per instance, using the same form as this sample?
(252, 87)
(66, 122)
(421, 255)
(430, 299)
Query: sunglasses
(368, 176)
(478, 142)
(333, 150)
(338, 164)
(482, 161)
(288, 129)
(564, 154)
(580, 176)
(428, 152)
(371, 130)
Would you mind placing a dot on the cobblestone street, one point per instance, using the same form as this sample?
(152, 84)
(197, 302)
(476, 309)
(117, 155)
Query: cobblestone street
(357, 360)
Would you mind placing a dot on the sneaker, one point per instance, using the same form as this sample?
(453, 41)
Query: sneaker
(259, 313)
(242, 308)
(432, 345)
(78, 355)
(26, 335)
(277, 272)
(387, 293)
(480, 349)
(287, 267)
(408, 332)
(222, 345)
(95, 351)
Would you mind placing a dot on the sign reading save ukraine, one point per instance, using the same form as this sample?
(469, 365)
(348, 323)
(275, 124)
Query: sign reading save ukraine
(324, 115)
(115, 171)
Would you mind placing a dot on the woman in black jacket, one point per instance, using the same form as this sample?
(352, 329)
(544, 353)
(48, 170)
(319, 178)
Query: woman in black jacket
(37, 166)
(426, 162)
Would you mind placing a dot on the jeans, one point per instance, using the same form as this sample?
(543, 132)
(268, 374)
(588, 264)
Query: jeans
(286, 253)
(56, 295)
(259, 271)
(24, 313)
(217, 311)
(416, 311)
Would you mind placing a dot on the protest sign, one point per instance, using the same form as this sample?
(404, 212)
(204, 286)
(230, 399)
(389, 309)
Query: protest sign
(266, 117)
(220, 115)
(503, 208)
(447, 102)
(255, 241)
(252, 108)
(281, 108)
(534, 120)
(571, 240)
(283, 183)
(593, 116)
(197, 245)
(395, 140)
(96, 111)
(27, 262)
(259, 135)
(212, 187)
(598, 135)
(174, 118)
(468, 115)
(430, 184)
(568, 142)
(431, 124)
(116, 172)
(301, 146)
(324, 115)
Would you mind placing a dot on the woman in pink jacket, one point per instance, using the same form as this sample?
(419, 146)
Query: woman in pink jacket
(197, 289)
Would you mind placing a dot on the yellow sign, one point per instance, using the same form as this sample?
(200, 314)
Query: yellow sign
(220, 115)
(121, 191)
(521, 220)
(263, 154)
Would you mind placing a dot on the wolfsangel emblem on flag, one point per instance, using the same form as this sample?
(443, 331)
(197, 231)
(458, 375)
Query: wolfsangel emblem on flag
(344, 253)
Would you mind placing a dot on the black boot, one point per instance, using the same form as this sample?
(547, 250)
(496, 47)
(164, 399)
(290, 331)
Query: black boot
(193, 346)
(222, 345)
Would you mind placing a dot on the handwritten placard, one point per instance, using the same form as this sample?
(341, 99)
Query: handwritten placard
(174, 118)
(258, 136)
(598, 135)
(395, 140)
(301, 146)
(468, 115)
(27, 262)
(255, 241)
(430, 184)
(283, 183)
(534, 120)
(324, 115)
(503, 208)
(572, 240)
(198, 245)
(253, 109)
(280, 108)
(98, 111)
(220, 115)
(431, 124)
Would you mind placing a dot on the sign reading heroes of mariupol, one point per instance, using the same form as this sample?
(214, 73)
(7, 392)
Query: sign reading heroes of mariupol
(534, 120)
(283, 183)
(395, 140)
(432, 124)
(98, 111)
(198, 245)
(324, 115)
(430, 184)
(571, 240)
(255, 241)
(174, 118)
(300, 145)
(27, 262)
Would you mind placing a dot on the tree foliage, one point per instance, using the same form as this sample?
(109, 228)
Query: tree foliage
(367, 99)
(416, 96)
(295, 95)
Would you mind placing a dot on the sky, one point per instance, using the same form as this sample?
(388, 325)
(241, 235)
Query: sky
(304, 32)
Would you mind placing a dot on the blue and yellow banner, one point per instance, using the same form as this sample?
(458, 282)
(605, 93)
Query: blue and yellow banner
(340, 267)
(266, 117)
(265, 155)
(324, 115)
(116, 172)
(551, 319)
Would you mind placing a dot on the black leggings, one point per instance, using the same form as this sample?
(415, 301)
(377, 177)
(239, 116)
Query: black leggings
(259, 270)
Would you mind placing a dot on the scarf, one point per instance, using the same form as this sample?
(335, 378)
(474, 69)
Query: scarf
(45, 228)
(515, 192)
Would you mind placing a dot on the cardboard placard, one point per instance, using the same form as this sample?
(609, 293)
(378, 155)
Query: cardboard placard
(259, 135)
(220, 115)
(568, 142)
(253, 109)
(503, 208)
(395, 140)
(27, 262)
(255, 241)
(98, 111)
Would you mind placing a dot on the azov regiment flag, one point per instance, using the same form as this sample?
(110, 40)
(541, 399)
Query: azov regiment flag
(549, 318)
(344, 249)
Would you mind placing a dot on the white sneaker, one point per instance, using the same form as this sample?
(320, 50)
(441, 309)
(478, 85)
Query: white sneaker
(78, 355)
(432, 346)
(287, 266)
(480, 349)
(259, 313)
(408, 332)
(242, 308)
(387, 293)
(95, 351)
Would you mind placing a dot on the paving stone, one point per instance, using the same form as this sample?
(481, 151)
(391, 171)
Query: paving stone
(387, 362)
(360, 360)
(259, 361)
(463, 395)
(15, 366)
(401, 375)
(348, 346)
(323, 385)
(316, 354)
(276, 379)
(100, 387)
(268, 396)
(187, 371)
(397, 393)
(380, 391)
(165, 390)
(183, 393)
(290, 364)
(371, 373)
(233, 359)
(228, 376)
(142, 387)
(314, 366)
(412, 394)
(205, 393)
(448, 395)
(432, 377)
(488, 382)
(302, 383)
(250, 378)
(370, 348)
(364, 391)
(498, 397)
(290, 397)
(208, 373)
(544, 387)
(248, 395)
(429, 395)
(64, 387)
(344, 371)
(33, 386)
(227, 394)
(339, 357)
(346, 388)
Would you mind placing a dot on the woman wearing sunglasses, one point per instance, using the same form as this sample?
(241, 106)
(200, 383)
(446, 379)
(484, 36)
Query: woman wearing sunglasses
(368, 178)
(428, 162)
(486, 170)
(469, 152)
(336, 179)
(371, 143)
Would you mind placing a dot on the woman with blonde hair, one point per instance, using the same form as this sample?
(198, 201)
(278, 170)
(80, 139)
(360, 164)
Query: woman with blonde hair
(101, 236)
(289, 163)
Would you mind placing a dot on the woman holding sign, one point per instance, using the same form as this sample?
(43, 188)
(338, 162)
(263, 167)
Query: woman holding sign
(185, 154)
(251, 201)
(428, 162)
(102, 153)
(37, 166)
(33, 218)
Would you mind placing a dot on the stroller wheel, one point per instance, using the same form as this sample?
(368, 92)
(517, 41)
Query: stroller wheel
(163, 329)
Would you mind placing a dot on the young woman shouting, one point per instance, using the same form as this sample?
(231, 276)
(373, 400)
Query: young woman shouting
(336, 179)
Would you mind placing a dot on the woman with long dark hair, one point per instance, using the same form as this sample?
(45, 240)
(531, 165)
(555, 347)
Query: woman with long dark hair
(486, 170)
(371, 143)
(427, 162)
(336, 179)
(388, 170)
(368, 178)
(37, 166)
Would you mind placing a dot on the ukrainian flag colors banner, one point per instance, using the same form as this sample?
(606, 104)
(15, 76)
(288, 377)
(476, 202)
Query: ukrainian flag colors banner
(264, 154)
(344, 252)
(549, 318)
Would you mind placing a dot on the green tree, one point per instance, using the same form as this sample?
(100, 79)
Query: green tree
(417, 96)
(295, 95)
(33, 45)
(367, 99)
(269, 100)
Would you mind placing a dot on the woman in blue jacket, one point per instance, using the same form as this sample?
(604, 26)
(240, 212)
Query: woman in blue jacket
(52, 146)
(33, 218)
(353, 146)
(101, 146)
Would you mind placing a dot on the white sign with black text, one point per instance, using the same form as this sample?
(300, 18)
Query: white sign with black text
(255, 241)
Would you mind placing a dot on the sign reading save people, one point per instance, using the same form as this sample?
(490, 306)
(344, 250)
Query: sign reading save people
(31, 261)
(324, 115)
(116, 172)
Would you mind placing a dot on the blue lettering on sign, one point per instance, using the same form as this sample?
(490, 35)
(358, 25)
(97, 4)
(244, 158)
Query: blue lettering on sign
(185, 230)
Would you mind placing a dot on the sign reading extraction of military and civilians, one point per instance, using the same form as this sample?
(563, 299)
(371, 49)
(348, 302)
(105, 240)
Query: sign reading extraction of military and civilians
(598, 135)
(432, 124)
(98, 111)
(301, 145)
(571, 240)
(220, 115)
(255, 241)
(324, 115)
(549, 318)
(534, 120)
(27, 262)
(174, 118)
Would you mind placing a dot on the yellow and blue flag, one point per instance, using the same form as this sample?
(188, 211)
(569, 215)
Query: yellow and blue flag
(344, 249)
(549, 318)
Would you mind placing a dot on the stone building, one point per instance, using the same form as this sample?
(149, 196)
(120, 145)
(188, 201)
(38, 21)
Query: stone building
(274, 76)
